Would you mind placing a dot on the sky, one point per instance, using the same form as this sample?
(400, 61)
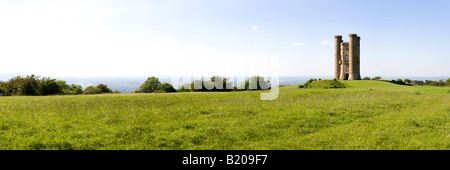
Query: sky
(225, 37)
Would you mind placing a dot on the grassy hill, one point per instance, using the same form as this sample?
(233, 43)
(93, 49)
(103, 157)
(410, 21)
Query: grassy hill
(365, 115)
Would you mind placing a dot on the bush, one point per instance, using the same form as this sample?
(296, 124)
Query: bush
(306, 85)
(92, 90)
(326, 84)
(66, 89)
(166, 87)
(433, 83)
(336, 84)
(377, 78)
(75, 89)
(366, 78)
(407, 81)
(441, 83)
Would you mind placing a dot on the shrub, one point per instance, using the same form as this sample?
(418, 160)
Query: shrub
(306, 85)
(433, 83)
(166, 87)
(66, 89)
(366, 78)
(92, 90)
(75, 89)
(441, 83)
(407, 81)
(336, 84)
(377, 78)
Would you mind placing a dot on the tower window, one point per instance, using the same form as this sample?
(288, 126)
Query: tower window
(346, 58)
(346, 68)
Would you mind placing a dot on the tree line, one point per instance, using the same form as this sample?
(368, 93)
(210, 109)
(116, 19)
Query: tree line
(439, 83)
(32, 85)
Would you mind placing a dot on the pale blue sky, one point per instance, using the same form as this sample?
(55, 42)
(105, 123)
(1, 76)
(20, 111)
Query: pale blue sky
(141, 38)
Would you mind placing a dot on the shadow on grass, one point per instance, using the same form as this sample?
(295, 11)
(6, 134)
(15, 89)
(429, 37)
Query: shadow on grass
(399, 83)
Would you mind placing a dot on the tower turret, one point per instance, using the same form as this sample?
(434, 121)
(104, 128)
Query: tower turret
(337, 56)
(353, 45)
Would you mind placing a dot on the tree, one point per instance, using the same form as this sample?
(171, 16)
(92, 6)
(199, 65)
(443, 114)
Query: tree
(92, 90)
(104, 88)
(66, 89)
(166, 87)
(29, 85)
(3, 88)
(75, 89)
(433, 83)
(49, 86)
(366, 78)
(441, 83)
(408, 81)
(150, 85)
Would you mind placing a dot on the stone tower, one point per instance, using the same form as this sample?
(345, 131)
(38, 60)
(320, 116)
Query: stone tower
(346, 58)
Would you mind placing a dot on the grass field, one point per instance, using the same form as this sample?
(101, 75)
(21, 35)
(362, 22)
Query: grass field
(365, 115)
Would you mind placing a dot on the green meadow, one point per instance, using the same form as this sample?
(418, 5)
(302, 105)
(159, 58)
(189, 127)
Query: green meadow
(368, 114)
